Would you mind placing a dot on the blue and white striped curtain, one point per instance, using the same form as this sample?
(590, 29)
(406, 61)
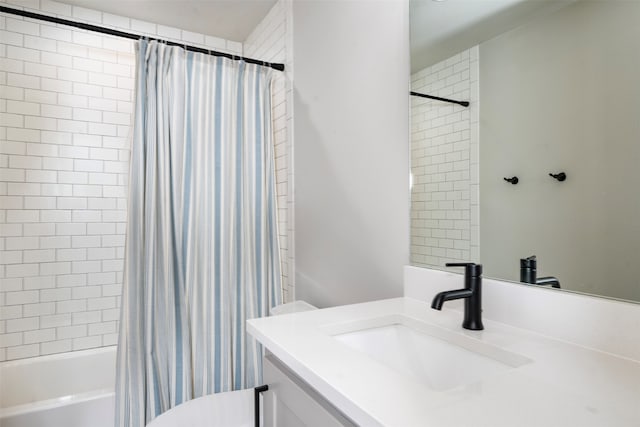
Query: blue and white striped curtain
(202, 249)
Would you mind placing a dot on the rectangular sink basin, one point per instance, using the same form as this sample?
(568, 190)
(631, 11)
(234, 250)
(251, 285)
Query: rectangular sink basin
(438, 358)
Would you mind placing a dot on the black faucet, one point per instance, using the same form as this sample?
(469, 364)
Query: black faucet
(472, 294)
(529, 272)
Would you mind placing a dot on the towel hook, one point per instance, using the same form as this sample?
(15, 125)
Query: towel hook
(559, 176)
(513, 180)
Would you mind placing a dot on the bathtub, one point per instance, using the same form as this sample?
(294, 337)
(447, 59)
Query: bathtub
(73, 389)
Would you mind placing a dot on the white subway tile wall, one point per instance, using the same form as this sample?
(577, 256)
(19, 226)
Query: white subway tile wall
(65, 110)
(270, 41)
(444, 163)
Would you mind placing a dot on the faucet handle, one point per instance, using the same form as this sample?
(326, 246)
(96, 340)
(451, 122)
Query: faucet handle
(471, 269)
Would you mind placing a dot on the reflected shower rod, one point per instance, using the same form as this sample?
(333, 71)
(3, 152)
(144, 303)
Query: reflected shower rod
(117, 33)
(437, 98)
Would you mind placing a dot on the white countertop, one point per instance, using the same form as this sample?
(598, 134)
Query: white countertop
(564, 385)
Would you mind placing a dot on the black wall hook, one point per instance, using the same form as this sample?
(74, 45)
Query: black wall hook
(514, 180)
(559, 176)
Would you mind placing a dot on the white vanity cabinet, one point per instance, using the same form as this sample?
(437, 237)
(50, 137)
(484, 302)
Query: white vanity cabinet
(290, 402)
(318, 376)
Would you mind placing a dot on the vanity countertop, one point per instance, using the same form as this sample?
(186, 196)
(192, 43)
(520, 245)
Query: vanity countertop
(563, 385)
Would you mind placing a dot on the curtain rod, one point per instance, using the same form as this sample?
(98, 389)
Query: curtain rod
(112, 32)
(437, 98)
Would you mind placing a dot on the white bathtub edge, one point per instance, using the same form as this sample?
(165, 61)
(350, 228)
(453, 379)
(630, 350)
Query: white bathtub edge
(58, 356)
(43, 405)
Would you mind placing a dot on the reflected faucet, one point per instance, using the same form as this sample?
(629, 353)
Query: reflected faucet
(472, 294)
(548, 281)
(529, 271)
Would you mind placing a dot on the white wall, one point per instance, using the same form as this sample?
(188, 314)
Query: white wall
(65, 109)
(351, 61)
(271, 41)
(445, 215)
(562, 94)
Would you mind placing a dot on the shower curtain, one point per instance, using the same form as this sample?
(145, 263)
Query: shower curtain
(202, 249)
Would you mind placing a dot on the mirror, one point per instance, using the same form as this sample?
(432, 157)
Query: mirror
(553, 89)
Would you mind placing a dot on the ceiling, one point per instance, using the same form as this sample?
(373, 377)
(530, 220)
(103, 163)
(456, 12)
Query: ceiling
(227, 19)
(440, 29)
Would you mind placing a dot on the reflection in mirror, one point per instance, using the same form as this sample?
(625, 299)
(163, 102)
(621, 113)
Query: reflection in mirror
(553, 89)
